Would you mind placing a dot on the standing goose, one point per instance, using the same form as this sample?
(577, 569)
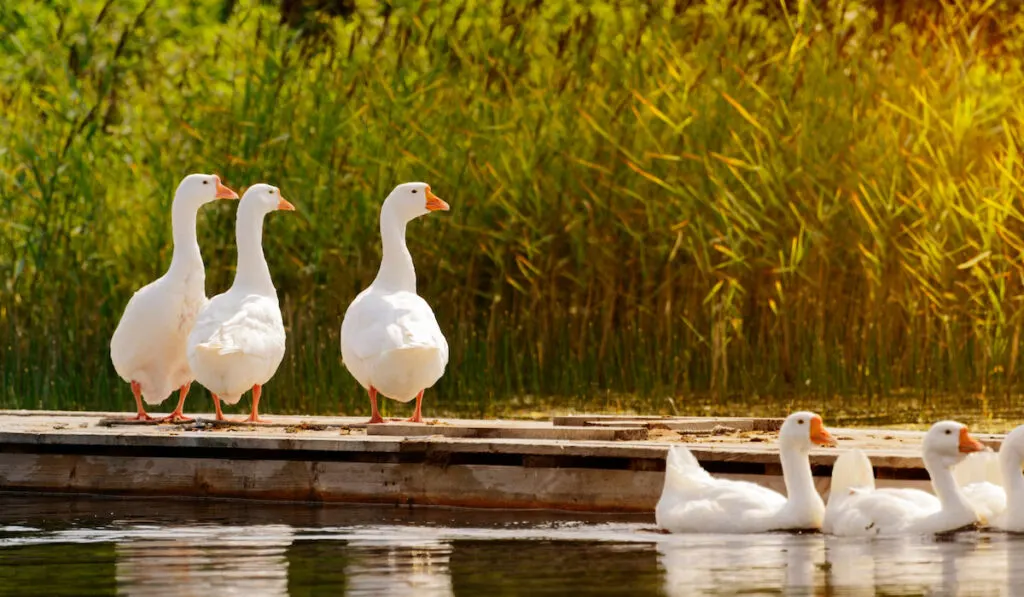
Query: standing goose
(692, 501)
(856, 508)
(148, 346)
(238, 340)
(390, 340)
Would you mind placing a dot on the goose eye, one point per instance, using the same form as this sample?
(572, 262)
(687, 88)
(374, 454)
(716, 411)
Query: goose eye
(206, 182)
(948, 432)
(414, 191)
(271, 191)
(801, 421)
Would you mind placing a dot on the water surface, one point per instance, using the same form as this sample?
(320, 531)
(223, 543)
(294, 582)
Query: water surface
(105, 546)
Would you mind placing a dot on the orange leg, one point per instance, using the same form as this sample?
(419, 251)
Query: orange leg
(374, 413)
(177, 415)
(254, 417)
(141, 415)
(417, 416)
(216, 404)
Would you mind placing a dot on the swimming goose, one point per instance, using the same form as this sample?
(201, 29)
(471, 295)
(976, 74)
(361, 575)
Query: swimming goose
(148, 345)
(390, 340)
(1011, 458)
(994, 485)
(855, 507)
(692, 501)
(238, 341)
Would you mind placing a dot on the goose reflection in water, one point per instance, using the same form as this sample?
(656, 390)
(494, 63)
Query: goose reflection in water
(708, 564)
(205, 561)
(411, 567)
(965, 564)
(1014, 565)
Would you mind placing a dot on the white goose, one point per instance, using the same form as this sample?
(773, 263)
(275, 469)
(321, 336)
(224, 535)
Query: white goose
(148, 346)
(692, 501)
(1011, 458)
(856, 508)
(390, 340)
(994, 484)
(238, 340)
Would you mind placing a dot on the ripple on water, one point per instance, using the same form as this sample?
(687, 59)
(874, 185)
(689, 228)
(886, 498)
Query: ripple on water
(102, 547)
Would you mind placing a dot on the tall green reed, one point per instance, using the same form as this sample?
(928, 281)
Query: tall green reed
(719, 203)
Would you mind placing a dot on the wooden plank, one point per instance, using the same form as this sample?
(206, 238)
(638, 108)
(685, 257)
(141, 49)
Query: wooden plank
(63, 422)
(697, 426)
(478, 486)
(675, 423)
(908, 457)
(405, 484)
(579, 420)
(499, 464)
(201, 422)
(347, 448)
(505, 432)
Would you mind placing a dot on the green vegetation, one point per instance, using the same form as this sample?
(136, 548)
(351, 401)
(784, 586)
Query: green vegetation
(670, 206)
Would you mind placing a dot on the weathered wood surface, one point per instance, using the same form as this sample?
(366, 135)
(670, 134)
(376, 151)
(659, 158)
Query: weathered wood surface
(486, 486)
(511, 432)
(690, 424)
(592, 464)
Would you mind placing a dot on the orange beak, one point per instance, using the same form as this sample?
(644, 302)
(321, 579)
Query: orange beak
(435, 203)
(968, 443)
(225, 193)
(820, 435)
(284, 205)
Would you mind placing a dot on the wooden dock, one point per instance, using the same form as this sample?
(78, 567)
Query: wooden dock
(581, 462)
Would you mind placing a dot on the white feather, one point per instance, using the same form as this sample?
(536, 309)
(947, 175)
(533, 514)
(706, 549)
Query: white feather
(149, 344)
(856, 508)
(390, 339)
(693, 501)
(239, 339)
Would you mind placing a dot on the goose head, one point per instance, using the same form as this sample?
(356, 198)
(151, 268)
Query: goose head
(803, 430)
(412, 200)
(948, 442)
(265, 198)
(200, 189)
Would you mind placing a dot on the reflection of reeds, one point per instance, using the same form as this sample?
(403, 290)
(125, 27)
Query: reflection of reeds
(645, 202)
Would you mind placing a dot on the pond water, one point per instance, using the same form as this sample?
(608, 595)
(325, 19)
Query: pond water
(104, 546)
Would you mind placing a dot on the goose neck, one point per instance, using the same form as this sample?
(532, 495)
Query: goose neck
(796, 472)
(396, 267)
(186, 256)
(1013, 481)
(945, 484)
(252, 273)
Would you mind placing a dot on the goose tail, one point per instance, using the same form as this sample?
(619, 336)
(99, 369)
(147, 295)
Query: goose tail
(851, 470)
(682, 469)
